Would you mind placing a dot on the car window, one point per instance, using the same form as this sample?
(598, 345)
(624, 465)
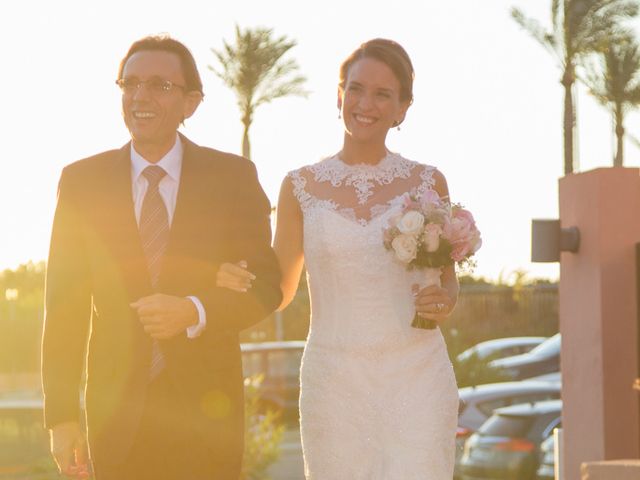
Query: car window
(283, 363)
(534, 397)
(489, 406)
(509, 351)
(506, 426)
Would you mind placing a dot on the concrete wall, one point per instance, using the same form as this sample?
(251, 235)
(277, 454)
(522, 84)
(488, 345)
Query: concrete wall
(598, 317)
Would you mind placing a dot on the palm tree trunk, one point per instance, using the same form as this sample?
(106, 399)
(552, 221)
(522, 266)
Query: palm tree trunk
(246, 147)
(569, 117)
(619, 114)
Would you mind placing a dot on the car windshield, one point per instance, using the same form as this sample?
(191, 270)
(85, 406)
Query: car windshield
(548, 348)
(506, 426)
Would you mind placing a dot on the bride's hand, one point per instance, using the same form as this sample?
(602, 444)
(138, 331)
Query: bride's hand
(433, 303)
(235, 277)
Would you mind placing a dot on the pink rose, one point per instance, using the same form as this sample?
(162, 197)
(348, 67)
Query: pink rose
(429, 198)
(462, 233)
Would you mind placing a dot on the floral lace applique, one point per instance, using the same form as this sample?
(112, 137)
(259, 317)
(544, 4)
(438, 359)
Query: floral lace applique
(362, 177)
(363, 180)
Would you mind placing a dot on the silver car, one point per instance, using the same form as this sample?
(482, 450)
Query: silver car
(501, 347)
(478, 403)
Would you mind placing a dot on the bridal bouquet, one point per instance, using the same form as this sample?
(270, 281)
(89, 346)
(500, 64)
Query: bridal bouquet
(429, 234)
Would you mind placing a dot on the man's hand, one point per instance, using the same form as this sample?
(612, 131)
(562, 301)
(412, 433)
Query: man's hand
(165, 316)
(69, 449)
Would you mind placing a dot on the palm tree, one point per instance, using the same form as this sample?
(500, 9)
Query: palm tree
(578, 27)
(614, 80)
(254, 68)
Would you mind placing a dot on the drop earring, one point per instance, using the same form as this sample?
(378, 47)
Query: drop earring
(339, 115)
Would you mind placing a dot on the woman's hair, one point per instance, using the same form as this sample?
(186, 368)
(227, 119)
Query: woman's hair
(165, 43)
(391, 54)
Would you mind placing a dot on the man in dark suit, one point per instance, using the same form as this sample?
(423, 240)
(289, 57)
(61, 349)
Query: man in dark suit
(137, 238)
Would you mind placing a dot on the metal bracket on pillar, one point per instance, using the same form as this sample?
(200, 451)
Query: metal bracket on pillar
(548, 239)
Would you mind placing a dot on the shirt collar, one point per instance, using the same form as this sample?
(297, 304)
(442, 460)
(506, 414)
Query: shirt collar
(171, 162)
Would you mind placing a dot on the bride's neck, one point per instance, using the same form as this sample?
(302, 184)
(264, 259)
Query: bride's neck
(369, 153)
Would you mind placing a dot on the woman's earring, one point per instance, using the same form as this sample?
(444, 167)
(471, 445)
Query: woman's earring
(339, 115)
(397, 125)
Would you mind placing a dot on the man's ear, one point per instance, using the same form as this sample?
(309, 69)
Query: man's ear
(193, 100)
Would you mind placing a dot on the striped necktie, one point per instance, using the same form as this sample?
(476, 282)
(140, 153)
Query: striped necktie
(154, 235)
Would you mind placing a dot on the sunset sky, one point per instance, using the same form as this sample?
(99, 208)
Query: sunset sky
(487, 107)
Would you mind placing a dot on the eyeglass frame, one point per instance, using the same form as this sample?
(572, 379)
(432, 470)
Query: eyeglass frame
(167, 86)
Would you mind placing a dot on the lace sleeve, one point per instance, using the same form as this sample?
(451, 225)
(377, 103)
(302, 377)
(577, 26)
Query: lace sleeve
(299, 183)
(427, 180)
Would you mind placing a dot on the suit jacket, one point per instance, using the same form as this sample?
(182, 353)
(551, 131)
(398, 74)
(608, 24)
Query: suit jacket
(96, 268)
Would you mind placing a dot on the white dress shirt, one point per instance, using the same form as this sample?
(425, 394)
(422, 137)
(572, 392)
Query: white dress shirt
(168, 187)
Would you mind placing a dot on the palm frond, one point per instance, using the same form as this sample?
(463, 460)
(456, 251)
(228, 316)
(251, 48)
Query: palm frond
(546, 38)
(255, 67)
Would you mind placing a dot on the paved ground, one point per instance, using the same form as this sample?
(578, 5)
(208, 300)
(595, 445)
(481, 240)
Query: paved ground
(289, 466)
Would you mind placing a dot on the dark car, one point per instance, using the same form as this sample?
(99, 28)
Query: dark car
(543, 359)
(478, 403)
(279, 364)
(507, 445)
(24, 445)
(501, 347)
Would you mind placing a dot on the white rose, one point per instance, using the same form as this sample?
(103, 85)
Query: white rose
(411, 223)
(432, 237)
(406, 247)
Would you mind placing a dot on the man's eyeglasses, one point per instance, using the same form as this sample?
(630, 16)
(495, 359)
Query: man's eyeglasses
(155, 86)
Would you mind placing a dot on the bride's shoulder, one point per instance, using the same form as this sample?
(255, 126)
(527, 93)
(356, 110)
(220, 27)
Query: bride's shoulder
(312, 171)
(431, 176)
(426, 170)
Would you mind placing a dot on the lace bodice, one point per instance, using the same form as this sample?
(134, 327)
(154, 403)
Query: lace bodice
(360, 192)
(345, 210)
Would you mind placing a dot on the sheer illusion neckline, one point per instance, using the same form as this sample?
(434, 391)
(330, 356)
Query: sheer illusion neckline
(360, 192)
(383, 163)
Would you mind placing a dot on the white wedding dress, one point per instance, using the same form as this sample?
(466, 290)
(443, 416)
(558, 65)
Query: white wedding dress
(378, 397)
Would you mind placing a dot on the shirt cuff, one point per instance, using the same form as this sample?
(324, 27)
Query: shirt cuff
(196, 330)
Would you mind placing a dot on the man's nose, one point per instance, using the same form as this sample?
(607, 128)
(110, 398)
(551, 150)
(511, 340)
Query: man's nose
(141, 92)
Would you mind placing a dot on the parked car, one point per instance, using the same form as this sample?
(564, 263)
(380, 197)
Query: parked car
(501, 347)
(24, 444)
(543, 359)
(478, 403)
(279, 364)
(547, 460)
(507, 445)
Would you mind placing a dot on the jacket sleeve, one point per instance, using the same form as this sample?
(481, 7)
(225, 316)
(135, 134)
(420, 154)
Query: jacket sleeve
(250, 240)
(67, 308)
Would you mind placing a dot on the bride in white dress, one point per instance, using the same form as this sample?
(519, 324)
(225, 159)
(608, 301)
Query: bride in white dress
(378, 397)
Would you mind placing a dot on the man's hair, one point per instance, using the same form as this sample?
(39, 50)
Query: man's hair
(165, 43)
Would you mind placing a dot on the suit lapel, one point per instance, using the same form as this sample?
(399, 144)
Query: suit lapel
(186, 228)
(187, 198)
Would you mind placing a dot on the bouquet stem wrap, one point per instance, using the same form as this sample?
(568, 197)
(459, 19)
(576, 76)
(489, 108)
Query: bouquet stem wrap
(431, 276)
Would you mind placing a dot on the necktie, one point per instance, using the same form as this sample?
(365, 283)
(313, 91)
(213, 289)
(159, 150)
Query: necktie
(154, 235)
